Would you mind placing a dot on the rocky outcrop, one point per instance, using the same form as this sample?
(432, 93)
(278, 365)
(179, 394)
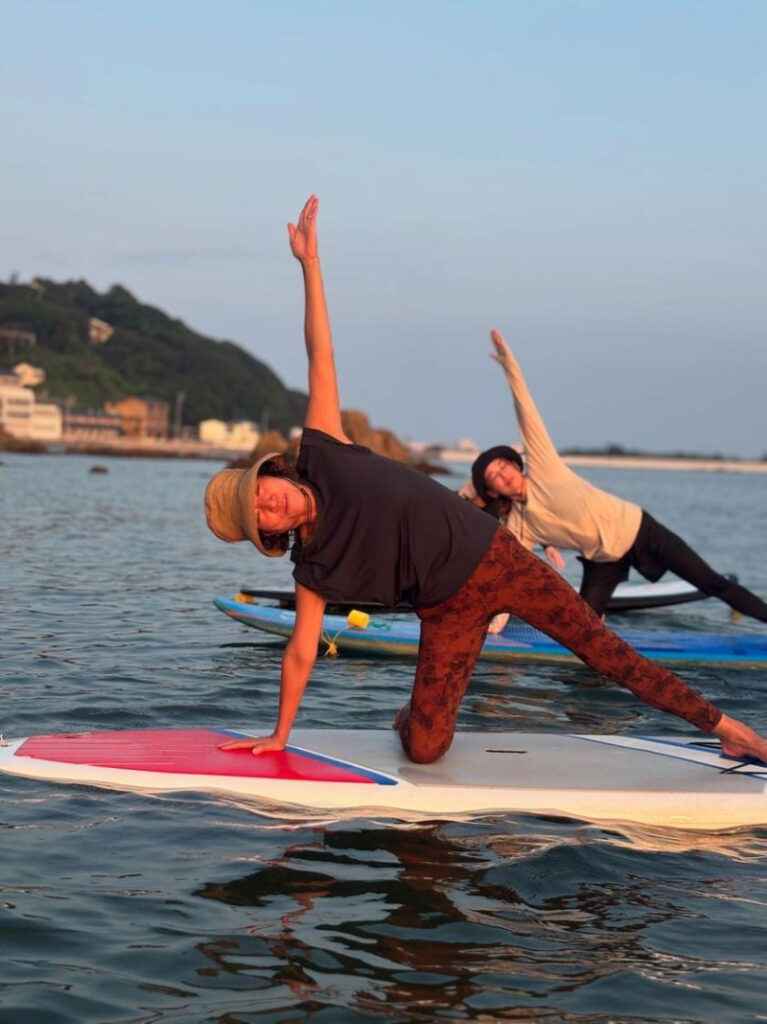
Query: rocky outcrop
(383, 442)
(271, 441)
(357, 428)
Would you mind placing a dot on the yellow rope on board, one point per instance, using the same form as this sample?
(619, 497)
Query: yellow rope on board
(332, 648)
(357, 620)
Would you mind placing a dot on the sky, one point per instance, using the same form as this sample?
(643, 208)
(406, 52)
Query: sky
(587, 176)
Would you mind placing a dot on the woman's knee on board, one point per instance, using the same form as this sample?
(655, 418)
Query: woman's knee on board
(424, 745)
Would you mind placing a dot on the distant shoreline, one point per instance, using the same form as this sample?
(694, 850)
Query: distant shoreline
(702, 465)
(671, 462)
(128, 447)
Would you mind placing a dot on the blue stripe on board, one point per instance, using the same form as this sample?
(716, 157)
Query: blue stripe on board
(706, 747)
(721, 769)
(366, 773)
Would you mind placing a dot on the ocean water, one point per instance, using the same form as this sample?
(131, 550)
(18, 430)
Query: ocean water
(123, 907)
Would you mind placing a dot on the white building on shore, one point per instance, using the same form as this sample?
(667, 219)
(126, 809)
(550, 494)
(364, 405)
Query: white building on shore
(29, 376)
(23, 416)
(464, 450)
(242, 436)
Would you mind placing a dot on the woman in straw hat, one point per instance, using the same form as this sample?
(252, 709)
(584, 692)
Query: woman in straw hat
(366, 528)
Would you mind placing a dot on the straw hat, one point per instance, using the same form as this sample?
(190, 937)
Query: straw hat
(230, 511)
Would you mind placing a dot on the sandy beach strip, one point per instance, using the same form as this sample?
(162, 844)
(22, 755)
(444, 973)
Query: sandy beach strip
(659, 462)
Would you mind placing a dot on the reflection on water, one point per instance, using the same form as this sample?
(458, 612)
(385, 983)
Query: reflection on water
(455, 919)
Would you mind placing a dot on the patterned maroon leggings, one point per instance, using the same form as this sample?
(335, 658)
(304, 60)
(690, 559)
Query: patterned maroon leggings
(511, 579)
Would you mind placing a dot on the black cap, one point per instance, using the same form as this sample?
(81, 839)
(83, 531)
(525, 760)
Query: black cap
(480, 464)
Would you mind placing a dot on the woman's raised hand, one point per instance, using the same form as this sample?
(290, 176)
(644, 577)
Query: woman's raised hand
(502, 352)
(554, 558)
(303, 235)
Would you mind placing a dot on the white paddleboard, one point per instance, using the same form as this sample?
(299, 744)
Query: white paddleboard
(680, 782)
(625, 597)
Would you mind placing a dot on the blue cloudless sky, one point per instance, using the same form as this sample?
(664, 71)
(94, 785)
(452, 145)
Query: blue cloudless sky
(588, 176)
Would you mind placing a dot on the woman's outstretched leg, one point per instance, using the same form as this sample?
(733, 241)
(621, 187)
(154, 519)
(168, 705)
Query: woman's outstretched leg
(680, 558)
(517, 581)
(510, 578)
(600, 580)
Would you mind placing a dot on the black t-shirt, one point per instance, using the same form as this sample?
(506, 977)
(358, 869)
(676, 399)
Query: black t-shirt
(385, 532)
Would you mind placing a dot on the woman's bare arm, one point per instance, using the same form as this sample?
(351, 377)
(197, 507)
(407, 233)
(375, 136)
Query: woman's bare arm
(323, 411)
(540, 451)
(297, 663)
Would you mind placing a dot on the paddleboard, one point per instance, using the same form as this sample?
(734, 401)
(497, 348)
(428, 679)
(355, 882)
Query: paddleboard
(663, 594)
(625, 597)
(681, 782)
(399, 635)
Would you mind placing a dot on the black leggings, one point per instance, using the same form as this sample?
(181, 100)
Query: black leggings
(655, 550)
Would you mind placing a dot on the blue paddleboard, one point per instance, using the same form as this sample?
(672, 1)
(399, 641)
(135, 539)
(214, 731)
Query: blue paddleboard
(398, 636)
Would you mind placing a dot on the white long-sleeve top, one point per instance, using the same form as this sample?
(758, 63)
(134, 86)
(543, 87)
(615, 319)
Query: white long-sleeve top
(562, 509)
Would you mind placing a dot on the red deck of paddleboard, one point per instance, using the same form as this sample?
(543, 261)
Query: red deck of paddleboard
(185, 752)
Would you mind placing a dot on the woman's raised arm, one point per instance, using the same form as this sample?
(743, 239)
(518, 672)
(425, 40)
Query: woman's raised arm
(540, 452)
(323, 411)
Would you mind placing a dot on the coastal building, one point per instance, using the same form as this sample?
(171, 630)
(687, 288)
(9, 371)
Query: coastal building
(99, 331)
(214, 432)
(29, 376)
(141, 417)
(16, 404)
(464, 450)
(90, 425)
(242, 436)
(46, 422)
(26, 418)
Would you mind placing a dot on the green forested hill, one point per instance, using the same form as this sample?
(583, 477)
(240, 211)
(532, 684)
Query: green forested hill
(149, 354)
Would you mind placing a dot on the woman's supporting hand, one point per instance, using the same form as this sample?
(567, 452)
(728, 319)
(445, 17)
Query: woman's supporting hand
(303, 235)
(467, 492)
(498, 623)
(738, 740)
(554, 558)
(256, 745)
